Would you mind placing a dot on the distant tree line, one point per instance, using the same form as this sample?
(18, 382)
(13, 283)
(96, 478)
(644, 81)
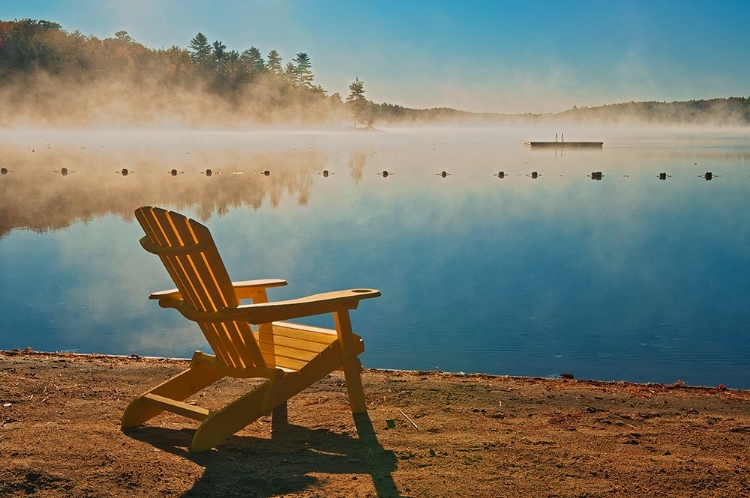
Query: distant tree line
(247, 81)
(46, 69)
(720, 111)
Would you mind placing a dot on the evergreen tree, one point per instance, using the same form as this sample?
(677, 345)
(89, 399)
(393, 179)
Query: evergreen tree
(219, 50)
(123, 37)
(356, 91)
(254, 60)
(357, 102)
(274, 62)
(290, 73)
(304, 74)
(232, 60)
(200, 50)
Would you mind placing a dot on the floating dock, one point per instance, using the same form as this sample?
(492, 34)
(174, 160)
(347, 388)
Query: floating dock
(566, 145)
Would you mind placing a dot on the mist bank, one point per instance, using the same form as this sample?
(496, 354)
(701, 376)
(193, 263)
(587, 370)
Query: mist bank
(732, 111)
(53, 78)
(43, 101)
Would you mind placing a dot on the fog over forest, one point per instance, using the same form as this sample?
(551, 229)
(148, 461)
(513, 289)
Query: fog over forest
(50, 77)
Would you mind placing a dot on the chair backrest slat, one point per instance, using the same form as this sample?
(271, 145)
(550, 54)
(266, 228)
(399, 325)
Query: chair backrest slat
(158, 229)
(191, 258)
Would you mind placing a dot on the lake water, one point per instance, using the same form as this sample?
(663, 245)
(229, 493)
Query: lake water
(625, 278)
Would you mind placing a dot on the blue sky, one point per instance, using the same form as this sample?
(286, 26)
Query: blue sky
(496, 56)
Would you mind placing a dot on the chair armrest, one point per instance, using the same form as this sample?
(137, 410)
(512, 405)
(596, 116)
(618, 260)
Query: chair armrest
(166, 294)
(248, 289)
(315, 304)
(245, 289)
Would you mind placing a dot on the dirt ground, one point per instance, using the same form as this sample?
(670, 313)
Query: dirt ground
(428, 434)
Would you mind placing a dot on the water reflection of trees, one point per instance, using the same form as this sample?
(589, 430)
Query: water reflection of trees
(37, 196)
(357, 163)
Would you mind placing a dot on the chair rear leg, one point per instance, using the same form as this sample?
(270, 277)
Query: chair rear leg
(280, 418)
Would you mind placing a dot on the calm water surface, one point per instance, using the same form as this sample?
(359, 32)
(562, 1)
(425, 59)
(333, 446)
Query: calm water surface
(628, 277)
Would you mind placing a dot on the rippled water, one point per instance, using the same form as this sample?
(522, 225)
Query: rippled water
(629, 277)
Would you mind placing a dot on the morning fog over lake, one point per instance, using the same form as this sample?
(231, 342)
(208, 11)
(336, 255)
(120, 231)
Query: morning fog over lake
(490, 256)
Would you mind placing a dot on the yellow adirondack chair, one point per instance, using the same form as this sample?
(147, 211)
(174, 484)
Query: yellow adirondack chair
(248, 340)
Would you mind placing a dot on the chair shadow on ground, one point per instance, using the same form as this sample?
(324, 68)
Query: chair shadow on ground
(258, 467)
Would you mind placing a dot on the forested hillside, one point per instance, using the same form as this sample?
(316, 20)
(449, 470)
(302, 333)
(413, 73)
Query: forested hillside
(51, 77)
(733, 111)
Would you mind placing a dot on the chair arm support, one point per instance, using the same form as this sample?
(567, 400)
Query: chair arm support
(315, 304)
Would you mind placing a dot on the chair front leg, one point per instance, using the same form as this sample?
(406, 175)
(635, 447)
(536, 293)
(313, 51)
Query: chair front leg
(351, 364)
(179, 387)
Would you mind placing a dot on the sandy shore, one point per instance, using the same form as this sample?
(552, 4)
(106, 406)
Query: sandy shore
(428, 434)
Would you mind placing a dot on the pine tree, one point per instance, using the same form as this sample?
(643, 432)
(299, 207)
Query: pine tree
(254, 60)
(357, 103)
(200, 50)
(304, 72)
(274, 62)
(219, 50)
